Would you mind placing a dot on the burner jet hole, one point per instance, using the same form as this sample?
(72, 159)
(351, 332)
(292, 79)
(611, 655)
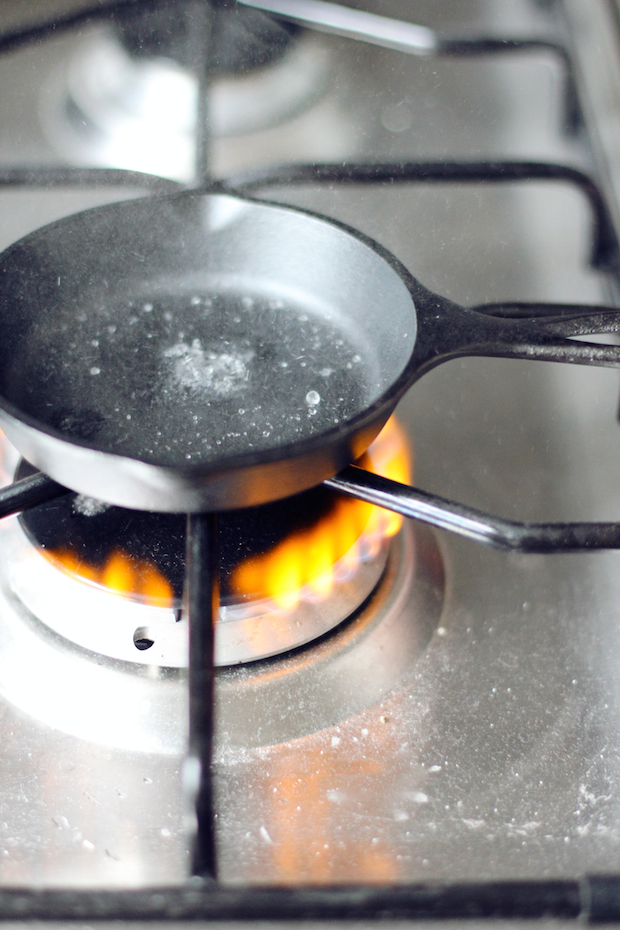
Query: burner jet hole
(142, 640)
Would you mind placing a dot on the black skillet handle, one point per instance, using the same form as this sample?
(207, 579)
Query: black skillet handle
(531, 331)
(517, 330)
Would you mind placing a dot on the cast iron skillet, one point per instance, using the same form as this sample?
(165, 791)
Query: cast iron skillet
(205, 351)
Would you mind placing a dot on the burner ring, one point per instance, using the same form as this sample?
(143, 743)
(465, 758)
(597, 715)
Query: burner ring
(107, 624)
(144, 709)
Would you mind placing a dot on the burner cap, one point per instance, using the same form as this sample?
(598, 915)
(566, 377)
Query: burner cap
(242, 39)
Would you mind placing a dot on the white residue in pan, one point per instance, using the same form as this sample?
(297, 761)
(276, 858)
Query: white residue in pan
(88, 506)
(192, 378)
(217, 371)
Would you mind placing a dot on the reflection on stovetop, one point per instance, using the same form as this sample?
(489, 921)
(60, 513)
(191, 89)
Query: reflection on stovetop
(498, 756)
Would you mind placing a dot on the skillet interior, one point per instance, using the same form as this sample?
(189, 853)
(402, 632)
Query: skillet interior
(192, 328)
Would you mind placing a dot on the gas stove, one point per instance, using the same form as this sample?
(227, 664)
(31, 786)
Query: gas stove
(438, 736)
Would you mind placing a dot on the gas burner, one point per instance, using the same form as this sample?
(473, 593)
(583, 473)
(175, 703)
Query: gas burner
(145, 626)
(290, 571)
(111, 108)
(84, 585)
(340, 675)
(242, 39)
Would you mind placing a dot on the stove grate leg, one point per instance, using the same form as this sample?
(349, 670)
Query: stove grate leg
(202, 599)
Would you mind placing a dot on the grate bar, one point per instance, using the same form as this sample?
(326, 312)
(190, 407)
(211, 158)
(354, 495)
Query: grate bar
(412, 39)
(202, 598)
(200, 40)
(468, 46)
(528, 310)
(28, 492)
(605, 249)
(559, 319)
(16, 38)
(470, 523)
(593, 898)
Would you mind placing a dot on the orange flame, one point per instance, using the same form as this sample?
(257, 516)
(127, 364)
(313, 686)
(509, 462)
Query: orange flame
(121, 573)
(309, 563)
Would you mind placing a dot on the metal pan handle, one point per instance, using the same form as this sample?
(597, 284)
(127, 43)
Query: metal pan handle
(526, 331)
(511, 330)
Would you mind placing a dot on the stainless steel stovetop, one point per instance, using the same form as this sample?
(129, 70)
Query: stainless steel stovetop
(495, 754)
